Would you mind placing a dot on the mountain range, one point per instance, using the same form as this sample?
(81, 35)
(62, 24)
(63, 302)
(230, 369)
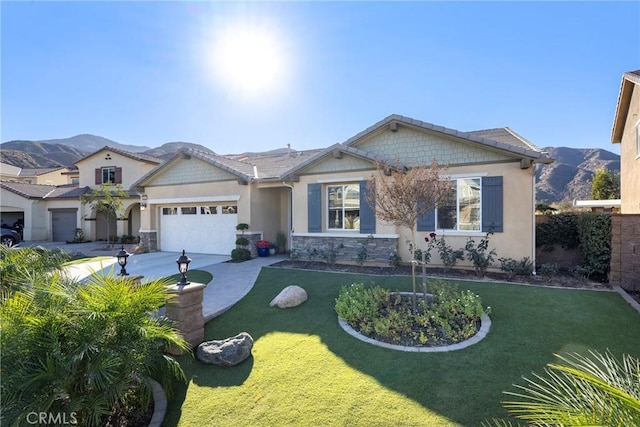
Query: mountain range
(568, 178)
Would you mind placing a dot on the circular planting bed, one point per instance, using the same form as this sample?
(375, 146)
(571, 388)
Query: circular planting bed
(445, 320)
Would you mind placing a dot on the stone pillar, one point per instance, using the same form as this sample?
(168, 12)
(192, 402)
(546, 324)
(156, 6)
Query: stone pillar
(149, 241)
(184, 308)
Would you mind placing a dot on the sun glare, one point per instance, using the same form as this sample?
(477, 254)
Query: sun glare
(248, 61)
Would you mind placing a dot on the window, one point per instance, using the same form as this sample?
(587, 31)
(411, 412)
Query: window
(343, 203)
(229, 210)
(191, 210)
(462, 211)
(169, 211)
(208, 210)
(109, 175)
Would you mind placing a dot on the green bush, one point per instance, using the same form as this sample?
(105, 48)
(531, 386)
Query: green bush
(513, 267)
(559, 229)
(240, 254)
(448, 256)
(242, 241)
(20, 266)
(548, 270)
(479, 255)
(595, 243)
(82, 349)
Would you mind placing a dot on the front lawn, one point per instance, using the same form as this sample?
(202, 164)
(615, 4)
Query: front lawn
(306, 370)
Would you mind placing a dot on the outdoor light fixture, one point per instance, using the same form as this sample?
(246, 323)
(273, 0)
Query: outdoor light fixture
(122, 260)
(183, 267)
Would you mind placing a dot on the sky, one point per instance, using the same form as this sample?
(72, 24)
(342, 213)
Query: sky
(256, 76)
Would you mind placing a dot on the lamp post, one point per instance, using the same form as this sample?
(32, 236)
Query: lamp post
(183, 266)
(122, 256)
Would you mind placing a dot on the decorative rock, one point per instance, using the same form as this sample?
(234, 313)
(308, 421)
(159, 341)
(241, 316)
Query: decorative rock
(228, 352)
(291, 296)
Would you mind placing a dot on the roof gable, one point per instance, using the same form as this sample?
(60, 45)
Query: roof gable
(337, 157)
(394, 123)
(629, 81)
(135, 156)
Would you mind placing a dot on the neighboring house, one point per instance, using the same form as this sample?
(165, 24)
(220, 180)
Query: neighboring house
(195, 199)
(54, 212)
(625, 242)
(626, 132)
(45, 176)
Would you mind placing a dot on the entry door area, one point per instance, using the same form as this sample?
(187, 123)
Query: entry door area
(64, 224)
(198, 229)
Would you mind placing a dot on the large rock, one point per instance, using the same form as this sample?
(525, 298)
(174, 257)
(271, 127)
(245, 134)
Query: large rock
(228, 352)
(290, 296)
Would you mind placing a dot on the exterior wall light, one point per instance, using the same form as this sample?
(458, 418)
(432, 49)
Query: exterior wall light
(183, 266)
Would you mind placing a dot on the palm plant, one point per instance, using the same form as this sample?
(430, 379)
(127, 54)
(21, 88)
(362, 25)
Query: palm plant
(584, 391)
(81, 349)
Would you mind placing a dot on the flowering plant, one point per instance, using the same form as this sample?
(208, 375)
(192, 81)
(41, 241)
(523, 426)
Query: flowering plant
(264, 244)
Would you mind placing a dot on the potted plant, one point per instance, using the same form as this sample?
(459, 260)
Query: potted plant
(272, 248)
(263, 247)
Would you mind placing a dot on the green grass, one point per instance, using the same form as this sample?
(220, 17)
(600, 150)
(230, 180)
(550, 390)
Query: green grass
(198, 276)
(305, 370)
(87, 259)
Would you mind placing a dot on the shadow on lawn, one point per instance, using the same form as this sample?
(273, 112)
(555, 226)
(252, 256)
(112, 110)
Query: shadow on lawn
(529, 325)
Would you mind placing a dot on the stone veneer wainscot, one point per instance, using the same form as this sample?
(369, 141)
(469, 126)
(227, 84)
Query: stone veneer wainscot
(379, 246)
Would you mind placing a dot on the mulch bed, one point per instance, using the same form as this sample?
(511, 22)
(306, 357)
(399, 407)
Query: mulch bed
(562, 279)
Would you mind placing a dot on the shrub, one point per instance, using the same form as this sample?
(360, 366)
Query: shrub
(448, 256)
(548, 270)
(242, 241)
(281, 242)
(20, 266)
(513, 267)
(559, 229)
(83, 348)
(240, 254)
(595, 243)
(479, 255)
(394, 259)
(78, 236)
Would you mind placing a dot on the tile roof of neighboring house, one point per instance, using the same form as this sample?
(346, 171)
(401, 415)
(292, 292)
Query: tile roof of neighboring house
(135, 156)
(519, 149)
(273, 166)
(40, 191)
(629, 80)
(505, 135)
(38, 171)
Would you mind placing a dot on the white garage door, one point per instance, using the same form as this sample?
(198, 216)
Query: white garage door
(198, 229)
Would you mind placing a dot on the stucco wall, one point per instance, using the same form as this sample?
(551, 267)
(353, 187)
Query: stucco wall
(515, 242)
(630, 159)
(132, 169)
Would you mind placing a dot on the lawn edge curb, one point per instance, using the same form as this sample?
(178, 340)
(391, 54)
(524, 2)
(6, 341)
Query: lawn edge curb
(627, 298)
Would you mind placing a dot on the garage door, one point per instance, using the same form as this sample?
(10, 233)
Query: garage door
(63, 224)
(198, 229)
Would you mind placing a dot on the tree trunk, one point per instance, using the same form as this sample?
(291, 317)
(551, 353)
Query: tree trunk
(413, 267)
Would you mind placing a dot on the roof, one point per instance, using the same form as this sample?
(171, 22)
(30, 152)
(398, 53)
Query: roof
(330, 151)
(505, 135)
(38, 171)
(629, 80)
(135, 156)
(614, 203)
(40, 191)
(514, 145)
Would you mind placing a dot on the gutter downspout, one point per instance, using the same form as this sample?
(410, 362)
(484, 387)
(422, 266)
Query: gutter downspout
(533, 218)
(291, 215)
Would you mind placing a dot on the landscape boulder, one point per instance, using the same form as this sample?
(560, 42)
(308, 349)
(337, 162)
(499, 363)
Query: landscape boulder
(291, 296)
(228, 352)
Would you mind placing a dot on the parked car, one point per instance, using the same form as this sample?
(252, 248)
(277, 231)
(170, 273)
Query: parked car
(9, 237)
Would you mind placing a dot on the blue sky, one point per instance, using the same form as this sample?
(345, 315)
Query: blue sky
(147, 73)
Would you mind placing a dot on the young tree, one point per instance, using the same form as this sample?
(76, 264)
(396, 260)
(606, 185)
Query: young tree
(401, 195)
(106, 201)
(605, 185)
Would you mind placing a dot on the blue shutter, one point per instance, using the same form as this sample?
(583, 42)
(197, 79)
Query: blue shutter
(492, 204)
(427, 221)
(367, 213)
(314, 208)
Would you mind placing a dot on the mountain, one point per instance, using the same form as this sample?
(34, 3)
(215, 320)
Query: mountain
(90, 143)
(33, 154)
(167, 150)
(569, 177)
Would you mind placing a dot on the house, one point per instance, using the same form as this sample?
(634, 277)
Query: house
(195, 199)
(55, 212)
(625, 242)
(46, 176)
(626, 132)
